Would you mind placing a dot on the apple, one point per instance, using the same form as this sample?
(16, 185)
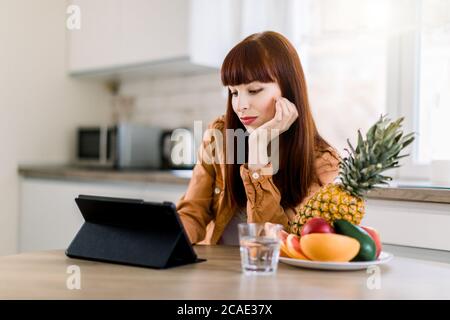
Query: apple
(376, 238)
(316, 225)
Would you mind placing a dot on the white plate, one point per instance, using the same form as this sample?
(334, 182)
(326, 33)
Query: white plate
(383, 258)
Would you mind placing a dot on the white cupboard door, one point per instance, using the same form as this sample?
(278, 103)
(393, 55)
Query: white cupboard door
(49, 216)
(154, 30)
(97, 44)
(121, 33)
(217, 26)
(214, 30)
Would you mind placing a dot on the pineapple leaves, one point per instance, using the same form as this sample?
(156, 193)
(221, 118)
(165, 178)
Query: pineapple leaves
(351, 147)
(378, 151)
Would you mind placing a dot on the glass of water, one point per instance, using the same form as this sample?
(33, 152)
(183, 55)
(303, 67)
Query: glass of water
(260, 247)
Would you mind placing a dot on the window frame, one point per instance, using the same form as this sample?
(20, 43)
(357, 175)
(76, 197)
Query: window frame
(403, 91)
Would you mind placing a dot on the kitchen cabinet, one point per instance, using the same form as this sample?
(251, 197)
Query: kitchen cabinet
(214, 30)
(49, 216)
(129, 38)
(118, 36)
(410, 223)
(217, 26)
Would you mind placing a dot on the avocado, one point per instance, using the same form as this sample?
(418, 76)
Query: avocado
(368, 249)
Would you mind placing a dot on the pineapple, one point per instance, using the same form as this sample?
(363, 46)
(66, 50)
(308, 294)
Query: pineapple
(359, 172)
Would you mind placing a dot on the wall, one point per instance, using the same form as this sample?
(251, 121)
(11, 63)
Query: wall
(173, 102)
(39, 105)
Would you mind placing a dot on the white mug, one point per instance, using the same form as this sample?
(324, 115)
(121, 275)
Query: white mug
(440, 172)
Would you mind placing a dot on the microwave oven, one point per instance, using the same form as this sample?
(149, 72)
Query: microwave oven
(169, 146)
(122, 146)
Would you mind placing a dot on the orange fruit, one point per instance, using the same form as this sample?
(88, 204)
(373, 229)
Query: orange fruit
(329, 247)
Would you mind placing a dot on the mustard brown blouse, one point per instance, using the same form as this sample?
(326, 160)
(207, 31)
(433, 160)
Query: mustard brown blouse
(204, 208)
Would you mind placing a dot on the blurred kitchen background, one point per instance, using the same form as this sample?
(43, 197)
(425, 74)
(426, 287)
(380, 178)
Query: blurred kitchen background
(70, 69)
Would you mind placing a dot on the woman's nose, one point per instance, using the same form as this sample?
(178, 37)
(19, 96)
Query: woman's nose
(242, 104)
(242, 107)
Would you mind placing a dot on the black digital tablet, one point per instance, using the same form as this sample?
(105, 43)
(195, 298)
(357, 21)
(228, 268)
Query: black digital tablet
(132, 232)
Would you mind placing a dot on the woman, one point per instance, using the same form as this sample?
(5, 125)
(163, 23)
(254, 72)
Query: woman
(267, 99)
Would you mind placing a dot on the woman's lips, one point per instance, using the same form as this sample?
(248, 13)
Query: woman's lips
(248, 120)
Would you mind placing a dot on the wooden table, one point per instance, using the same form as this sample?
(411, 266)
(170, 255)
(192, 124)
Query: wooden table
(43, 275)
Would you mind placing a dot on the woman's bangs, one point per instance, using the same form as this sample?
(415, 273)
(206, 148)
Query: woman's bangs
(246, 63)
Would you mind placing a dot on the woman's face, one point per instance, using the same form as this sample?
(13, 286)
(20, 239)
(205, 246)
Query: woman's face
(254, 103)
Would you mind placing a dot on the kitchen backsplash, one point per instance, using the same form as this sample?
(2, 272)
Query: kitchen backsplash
(174, 102)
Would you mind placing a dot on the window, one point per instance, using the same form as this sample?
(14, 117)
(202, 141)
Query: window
(363, 58)
(434, 82)
(342, 45)
(424, 85)
(367, 57)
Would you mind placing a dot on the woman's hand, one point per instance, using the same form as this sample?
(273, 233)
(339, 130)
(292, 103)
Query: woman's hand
(285, 115)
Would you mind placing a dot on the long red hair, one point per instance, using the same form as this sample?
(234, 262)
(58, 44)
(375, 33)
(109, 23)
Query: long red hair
(270, 57)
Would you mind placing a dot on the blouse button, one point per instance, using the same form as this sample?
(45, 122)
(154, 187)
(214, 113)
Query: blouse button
(217, 190)
(255, 175)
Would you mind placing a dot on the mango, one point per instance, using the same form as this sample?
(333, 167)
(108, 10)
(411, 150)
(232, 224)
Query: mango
(329, 247)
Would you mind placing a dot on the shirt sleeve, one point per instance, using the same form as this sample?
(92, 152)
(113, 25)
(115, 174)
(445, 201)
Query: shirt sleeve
(263, 197)
(194, 207)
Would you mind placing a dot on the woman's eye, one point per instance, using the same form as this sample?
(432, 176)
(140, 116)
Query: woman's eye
(234, 94)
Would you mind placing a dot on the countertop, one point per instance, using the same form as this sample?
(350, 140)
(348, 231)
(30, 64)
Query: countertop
(398, 190)
(43, 275)
(68, 172)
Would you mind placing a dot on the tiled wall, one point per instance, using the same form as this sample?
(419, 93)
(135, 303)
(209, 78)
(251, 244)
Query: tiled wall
(177, 101)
